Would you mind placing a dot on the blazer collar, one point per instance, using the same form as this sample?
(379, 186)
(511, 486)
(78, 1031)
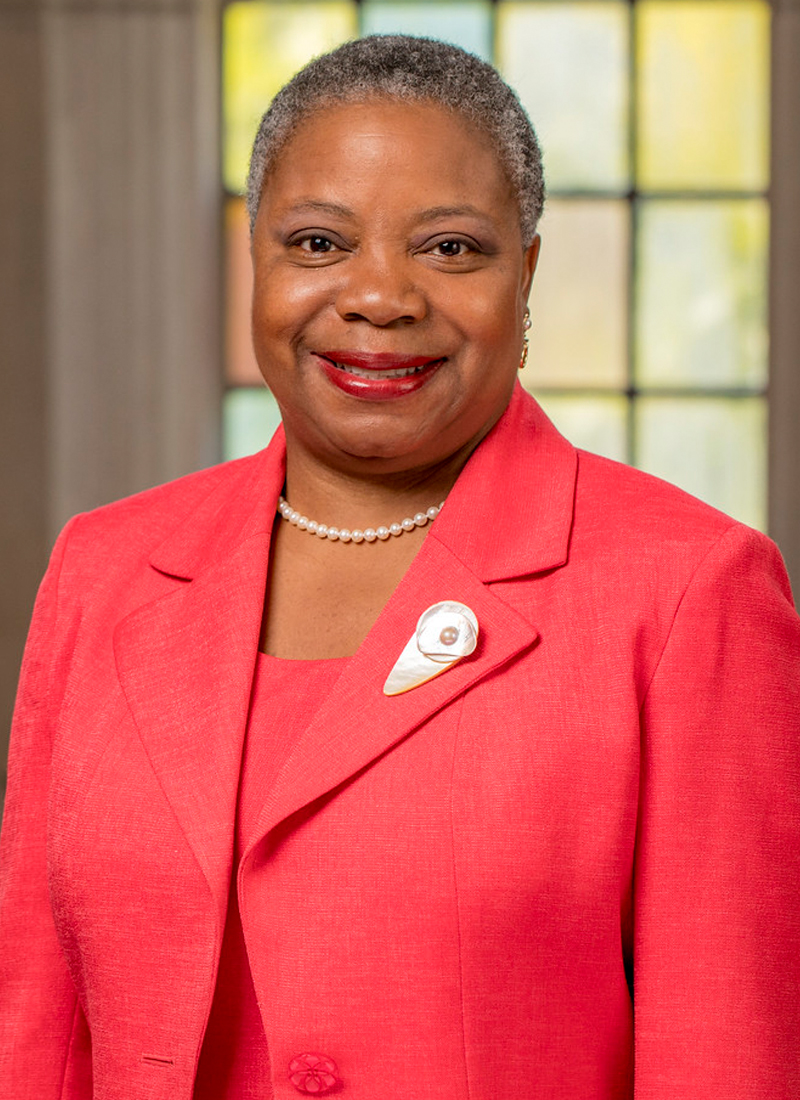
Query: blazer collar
(508, 515)
(357, 723)
(510, 512)
(240, 506)
(186, 660)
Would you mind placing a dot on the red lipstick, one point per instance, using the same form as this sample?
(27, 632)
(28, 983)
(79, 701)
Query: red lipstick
(377, 376)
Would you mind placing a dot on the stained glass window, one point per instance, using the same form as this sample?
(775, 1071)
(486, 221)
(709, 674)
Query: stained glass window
(649, 305)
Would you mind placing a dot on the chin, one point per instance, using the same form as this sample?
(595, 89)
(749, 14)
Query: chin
(382, 453)
(379, 443)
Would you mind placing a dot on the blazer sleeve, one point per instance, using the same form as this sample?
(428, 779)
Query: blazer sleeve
(44, 1043)
(716, 888)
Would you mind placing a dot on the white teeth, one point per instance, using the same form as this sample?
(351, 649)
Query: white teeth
(359, 372)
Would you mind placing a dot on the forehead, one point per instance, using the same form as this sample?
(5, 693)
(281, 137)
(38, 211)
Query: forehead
(414, 152)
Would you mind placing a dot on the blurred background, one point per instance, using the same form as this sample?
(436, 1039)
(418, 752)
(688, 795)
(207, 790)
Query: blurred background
(666, 307)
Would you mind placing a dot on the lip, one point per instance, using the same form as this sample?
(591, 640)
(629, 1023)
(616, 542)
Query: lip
(376, 386)
(378, 360)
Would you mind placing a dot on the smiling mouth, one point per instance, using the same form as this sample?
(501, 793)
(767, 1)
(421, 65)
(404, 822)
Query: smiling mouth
(373, 375)
(378, 376)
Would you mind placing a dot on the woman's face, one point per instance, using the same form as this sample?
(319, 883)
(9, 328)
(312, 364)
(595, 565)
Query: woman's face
(390, 285)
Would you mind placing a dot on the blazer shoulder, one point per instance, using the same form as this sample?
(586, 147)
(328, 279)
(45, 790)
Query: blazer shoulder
(647, 531)
(627, 504)
(130, 529)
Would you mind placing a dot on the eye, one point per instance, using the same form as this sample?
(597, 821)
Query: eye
(316, 244)
(451, 248)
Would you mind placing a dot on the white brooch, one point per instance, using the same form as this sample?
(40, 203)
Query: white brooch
(445, 633)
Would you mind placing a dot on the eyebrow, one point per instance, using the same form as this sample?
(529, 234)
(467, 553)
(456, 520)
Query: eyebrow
(317, 205)
(433, 213)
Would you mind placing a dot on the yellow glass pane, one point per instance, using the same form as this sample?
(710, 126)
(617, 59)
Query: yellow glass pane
(714, 447)
(596, 422)
(703, 94)
(249, 419)
(466, 23)
(569, 65)
(241, 368)
(264, 45)
(579, 298)
(702, 293)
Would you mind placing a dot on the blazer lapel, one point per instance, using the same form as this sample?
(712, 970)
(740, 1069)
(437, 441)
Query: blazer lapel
(509, 514)
(357, 723)
(186, 661)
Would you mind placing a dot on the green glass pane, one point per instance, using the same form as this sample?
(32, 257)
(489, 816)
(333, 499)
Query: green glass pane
(702, 293)
(263, 46)
(713, 447)
(703, 94)
(579, 297)
(569, 65)
(596, 423)
(467, 24)
(249, 419)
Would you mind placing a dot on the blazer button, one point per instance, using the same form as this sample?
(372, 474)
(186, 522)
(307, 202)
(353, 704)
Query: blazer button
(314, 1074)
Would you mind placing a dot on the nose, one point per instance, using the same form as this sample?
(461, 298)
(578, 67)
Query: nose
(380, 288)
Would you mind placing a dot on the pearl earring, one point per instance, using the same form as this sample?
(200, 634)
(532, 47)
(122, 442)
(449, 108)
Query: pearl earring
(526, 324)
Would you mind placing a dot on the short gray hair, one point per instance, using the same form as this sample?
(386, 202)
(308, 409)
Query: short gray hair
(401, 67)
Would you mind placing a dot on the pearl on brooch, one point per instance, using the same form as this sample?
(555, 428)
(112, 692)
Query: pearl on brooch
(446, 632)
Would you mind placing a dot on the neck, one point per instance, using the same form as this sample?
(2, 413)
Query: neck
(367, 500)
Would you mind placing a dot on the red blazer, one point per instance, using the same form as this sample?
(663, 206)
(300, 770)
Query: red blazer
(579, 843)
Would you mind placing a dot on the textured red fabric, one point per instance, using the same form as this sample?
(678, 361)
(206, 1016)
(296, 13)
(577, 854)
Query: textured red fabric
(455, 889)
(234, 1061)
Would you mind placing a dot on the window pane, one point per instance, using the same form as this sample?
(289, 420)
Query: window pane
(595, 422)
(701, 292)
(569, 65)
(579, 296)
(263, 46)
(703, 90)
(241, 368)
(467, 24)
(249, 419)
(714, 447)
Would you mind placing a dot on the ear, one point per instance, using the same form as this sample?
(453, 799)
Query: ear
(529, 262)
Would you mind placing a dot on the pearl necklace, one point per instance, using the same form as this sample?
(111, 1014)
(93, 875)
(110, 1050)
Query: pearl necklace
(341, 534)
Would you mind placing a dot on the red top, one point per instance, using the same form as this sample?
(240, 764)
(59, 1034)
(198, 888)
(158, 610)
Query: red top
(454, 879)
(234, 1061)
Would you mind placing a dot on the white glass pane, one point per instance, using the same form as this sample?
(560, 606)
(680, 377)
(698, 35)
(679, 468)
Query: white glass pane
(597, 423)
(569, 65)
(715, 448)
(702, 293)
(579, 300)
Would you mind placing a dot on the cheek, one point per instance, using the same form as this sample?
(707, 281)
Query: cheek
(484, 307)
(284, 303)
(489, 330)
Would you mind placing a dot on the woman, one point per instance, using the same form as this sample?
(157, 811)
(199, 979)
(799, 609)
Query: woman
(497, 801)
